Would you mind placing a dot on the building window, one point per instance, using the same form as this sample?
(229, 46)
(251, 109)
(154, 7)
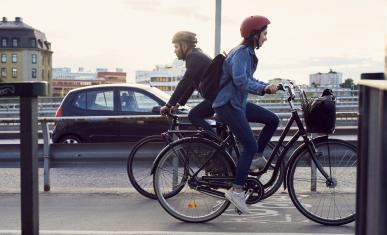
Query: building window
(3, 72)
(14, 72)
(4, 42)
(3, 58)
(14, 58)
(33, 42)
(33, 73)
(42, 73)
(15, 42)
(42, 60)
(34, 58)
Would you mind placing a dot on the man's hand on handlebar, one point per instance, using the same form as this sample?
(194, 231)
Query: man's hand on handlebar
(271, 89)
(165, 110)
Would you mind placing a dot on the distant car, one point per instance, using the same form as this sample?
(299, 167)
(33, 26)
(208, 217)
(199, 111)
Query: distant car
(110, 100)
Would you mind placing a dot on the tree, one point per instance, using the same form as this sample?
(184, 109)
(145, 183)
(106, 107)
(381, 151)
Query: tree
(348, 83)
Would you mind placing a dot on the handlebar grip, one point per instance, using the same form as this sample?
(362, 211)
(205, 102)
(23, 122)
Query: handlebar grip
(280, 87)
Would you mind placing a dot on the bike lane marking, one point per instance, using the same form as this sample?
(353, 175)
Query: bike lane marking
(266, 211)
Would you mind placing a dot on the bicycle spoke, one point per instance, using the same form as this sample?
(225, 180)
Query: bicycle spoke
(186, 203)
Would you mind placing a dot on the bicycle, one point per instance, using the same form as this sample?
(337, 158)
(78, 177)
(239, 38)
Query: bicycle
(140, 158)
(315, 176)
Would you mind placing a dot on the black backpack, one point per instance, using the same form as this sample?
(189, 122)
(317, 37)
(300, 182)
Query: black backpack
(210, 86)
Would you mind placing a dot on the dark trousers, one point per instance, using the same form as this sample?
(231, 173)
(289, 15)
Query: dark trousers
(238, 122)
(199, 113)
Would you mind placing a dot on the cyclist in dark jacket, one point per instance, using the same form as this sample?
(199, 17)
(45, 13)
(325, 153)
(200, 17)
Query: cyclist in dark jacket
(196, 64)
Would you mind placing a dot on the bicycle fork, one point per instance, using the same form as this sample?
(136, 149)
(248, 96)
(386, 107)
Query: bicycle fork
(331, 182)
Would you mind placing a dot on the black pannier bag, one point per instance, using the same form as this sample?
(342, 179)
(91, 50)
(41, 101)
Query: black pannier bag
(320, 114)
(210, 84)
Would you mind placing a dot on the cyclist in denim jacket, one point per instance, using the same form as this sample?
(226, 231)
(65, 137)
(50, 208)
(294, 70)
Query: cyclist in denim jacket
(233, 109)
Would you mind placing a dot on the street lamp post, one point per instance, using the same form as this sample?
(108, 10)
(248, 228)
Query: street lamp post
(218, 19)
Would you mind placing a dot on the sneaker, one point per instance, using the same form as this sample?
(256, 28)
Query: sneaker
(258, 164)
(238, 200)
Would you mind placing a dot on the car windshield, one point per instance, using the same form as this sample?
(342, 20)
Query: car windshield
(159, 93)
(165, 97)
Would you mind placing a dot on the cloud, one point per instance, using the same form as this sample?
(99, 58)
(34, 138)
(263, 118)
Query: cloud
(143, 5)
(189, 12)
(338, 61)
(179, 8)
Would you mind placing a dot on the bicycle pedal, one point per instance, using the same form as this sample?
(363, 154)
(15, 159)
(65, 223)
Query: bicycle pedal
(248, 193)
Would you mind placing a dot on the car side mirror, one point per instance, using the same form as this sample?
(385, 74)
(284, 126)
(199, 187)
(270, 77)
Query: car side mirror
(156, 109)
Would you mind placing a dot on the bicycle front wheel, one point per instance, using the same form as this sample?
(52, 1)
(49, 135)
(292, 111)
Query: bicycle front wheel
(192, 201)
(140, 162)
(328, 202)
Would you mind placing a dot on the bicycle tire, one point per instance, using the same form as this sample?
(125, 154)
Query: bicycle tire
(139, 169)
(190, 205)
(341, 163)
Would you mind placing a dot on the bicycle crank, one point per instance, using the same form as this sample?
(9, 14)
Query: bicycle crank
(254, 190)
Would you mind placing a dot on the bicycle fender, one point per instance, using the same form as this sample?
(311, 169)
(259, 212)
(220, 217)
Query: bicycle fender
(297, 152)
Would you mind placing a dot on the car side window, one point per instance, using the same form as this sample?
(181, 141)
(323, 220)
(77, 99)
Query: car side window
(132, 101)
(80, 100)
(128, 101)
(100, 100)
(144, 102)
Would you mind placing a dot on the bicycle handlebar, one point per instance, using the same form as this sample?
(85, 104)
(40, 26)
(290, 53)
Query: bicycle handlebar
(290, 89)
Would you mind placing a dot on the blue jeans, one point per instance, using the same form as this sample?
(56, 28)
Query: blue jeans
(199, 113)
(238, 122)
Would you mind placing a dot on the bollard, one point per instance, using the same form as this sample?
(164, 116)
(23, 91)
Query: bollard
(46, 154)
(28, 93)
(371, 204)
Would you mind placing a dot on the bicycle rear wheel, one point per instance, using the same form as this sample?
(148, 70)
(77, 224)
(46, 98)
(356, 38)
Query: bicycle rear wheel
(140, 162)
(192, 201)
(318, 199)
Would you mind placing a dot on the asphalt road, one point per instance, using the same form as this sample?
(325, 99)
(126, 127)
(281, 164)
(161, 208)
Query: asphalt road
(90, 200)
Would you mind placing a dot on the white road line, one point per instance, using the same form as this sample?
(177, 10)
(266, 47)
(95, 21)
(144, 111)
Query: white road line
(84, 232)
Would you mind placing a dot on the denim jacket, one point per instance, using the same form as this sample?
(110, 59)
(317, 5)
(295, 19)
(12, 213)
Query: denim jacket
(240, 64)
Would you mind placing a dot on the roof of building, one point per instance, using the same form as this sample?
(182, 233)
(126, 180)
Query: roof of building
(24, 33)
(17, 24)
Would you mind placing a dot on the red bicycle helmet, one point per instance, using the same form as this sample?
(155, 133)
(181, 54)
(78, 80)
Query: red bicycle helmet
(253, 23)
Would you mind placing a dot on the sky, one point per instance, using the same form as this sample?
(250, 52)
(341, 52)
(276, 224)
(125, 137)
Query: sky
(305, 36)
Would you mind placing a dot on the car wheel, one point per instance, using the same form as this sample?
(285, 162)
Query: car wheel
(70, 139)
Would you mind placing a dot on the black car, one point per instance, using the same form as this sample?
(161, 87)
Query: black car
(110, 100)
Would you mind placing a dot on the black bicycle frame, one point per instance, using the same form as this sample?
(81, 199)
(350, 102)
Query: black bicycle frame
(301, 132)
